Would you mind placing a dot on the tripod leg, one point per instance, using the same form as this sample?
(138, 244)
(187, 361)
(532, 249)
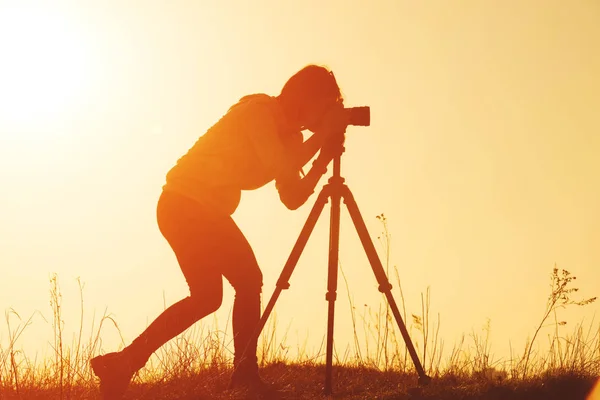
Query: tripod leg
(286, 273)
(384, 284)
(334, 244)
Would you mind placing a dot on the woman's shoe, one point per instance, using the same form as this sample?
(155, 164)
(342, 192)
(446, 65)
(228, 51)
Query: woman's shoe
(115, 373)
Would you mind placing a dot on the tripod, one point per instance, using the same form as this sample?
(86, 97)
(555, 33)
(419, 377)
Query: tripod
(336, 189)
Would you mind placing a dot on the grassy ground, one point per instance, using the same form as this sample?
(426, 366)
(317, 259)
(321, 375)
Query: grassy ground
(197, 364)
(306, 382)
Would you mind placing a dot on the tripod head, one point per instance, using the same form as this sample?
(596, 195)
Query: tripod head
(337, 176)
(356, 116)
(335, 148)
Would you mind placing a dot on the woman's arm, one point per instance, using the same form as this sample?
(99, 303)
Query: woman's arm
(309, 148)
(294, 190)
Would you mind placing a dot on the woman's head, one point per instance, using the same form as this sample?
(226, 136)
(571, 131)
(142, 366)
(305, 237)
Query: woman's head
(309, 93)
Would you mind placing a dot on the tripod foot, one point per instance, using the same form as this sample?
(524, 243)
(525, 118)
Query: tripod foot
(424, 380)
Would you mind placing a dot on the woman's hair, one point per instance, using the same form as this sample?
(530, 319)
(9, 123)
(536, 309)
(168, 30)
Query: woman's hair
(310, 83)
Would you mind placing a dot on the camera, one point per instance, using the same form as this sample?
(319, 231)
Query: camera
(358, 116)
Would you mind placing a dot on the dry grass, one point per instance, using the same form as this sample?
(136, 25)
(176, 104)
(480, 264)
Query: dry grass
(197, 364)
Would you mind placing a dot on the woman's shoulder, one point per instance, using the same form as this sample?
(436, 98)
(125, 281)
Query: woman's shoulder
(256, 100)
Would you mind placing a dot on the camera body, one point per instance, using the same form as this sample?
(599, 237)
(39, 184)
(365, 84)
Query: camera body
(358, 116)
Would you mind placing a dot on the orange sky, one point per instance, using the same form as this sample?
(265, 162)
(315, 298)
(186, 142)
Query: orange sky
(481, 153)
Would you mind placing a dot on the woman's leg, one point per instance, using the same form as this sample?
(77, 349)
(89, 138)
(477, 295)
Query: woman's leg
(223, 250)
(202, 242)
(174, 320)
(208, 246)
(240, 268)
(196, 237)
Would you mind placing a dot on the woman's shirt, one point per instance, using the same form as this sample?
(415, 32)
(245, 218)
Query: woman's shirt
(247, 148)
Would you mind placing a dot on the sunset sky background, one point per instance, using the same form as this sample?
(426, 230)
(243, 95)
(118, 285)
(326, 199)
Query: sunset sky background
(482, 153)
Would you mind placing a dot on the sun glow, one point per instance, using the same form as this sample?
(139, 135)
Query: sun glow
(44, 65)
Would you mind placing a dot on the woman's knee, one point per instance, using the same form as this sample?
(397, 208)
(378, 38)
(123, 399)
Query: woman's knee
(207, 302)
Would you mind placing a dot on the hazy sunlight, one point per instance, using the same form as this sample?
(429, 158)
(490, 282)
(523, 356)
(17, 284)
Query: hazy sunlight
(478, 182)
(43, 64)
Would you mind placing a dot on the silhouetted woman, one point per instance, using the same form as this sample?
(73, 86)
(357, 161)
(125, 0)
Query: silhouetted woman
(257, 141)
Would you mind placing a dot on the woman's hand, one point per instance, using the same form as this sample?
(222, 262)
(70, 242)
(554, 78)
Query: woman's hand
(333, 147)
